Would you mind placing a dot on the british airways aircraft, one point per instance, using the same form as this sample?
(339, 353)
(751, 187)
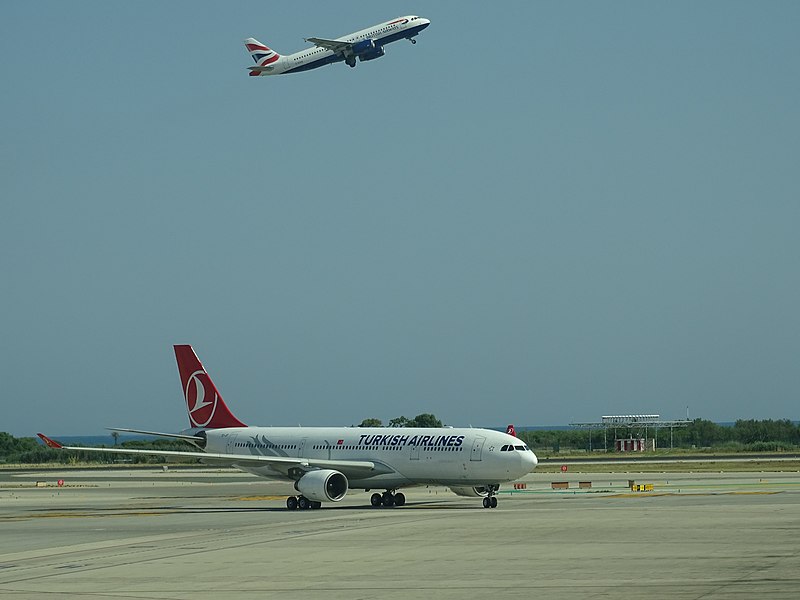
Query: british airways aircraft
(325, 462)
(364, 45)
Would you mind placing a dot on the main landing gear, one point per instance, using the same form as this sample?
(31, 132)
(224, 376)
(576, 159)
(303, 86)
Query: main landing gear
(301, 502)
(490, 501)
(388, 499)
(412, 40)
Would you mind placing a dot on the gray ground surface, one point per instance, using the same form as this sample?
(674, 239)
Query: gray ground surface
(198, 535)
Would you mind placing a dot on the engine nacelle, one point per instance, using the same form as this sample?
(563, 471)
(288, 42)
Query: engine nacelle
(372, 54)
(471, 492)
(325, 485)
(364, 47)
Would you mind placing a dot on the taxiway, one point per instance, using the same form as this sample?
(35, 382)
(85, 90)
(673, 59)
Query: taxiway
(205, 534)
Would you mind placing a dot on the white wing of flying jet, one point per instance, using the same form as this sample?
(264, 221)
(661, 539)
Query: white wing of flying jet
(338, 46)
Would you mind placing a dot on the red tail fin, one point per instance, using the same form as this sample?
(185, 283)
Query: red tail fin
(510, 430)
(204, 403)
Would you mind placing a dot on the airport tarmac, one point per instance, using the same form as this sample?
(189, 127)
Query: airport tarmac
(210, 534)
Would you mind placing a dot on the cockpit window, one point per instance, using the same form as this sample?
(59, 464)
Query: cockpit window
(504, 448)
(519, 447)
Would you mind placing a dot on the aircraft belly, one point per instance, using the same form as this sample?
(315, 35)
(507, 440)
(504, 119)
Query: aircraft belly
(387, 481)
(262, 471)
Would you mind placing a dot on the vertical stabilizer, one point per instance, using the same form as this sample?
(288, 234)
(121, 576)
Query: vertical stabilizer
(203, 402)
(265, 58)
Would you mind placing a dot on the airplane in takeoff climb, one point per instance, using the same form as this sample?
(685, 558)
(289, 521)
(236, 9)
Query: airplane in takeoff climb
(363, 45)
(325, 462)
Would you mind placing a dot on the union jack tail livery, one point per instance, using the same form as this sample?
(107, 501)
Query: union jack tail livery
(206, 407)
(264, 57)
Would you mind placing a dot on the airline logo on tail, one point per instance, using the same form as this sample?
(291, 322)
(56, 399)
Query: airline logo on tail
(206, 407)
(262, 55)
(200, 411)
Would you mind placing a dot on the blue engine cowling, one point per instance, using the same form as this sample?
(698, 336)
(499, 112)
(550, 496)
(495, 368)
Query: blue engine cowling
(368, 50)
(372, 55)
(363, 47)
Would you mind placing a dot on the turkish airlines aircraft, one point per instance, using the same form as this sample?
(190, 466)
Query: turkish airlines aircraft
(324, 462)
(365, 45)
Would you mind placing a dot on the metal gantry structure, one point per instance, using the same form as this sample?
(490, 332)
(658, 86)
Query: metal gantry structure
(630, 423)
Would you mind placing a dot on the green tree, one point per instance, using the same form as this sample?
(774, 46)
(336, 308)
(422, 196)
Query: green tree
(371, 423)
(425, 420)
(400, 422)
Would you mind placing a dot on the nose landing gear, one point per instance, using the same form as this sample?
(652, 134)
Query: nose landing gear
(490, 501)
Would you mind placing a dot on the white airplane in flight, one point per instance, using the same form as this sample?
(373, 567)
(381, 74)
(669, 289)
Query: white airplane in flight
(325, 462)
(364, 45)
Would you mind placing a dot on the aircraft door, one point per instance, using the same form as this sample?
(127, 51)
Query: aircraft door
(477, 448)
(414, 452)
(301, 448)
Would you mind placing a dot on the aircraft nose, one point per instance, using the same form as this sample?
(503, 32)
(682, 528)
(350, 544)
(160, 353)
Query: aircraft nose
(529, 461)
(425, 23)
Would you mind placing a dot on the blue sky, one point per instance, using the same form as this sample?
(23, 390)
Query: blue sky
(540, 213)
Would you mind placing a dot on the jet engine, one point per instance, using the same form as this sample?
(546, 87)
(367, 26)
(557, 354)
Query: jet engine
(372, 54)
(364, 46)
(471, 492)
(324, 485)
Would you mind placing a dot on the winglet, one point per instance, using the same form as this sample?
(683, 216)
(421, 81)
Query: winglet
(50, 443)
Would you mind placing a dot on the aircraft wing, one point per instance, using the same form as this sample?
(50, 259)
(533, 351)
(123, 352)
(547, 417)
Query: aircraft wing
(177, 436)
(333, 45)
(283, 464)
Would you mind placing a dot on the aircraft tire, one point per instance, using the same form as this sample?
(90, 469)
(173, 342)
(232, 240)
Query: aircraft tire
(494, 501)
(303, 503)
(315, 504)
(291, 503)
(399, 499)
(376, 500)
(388, 499)
(487, 503)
